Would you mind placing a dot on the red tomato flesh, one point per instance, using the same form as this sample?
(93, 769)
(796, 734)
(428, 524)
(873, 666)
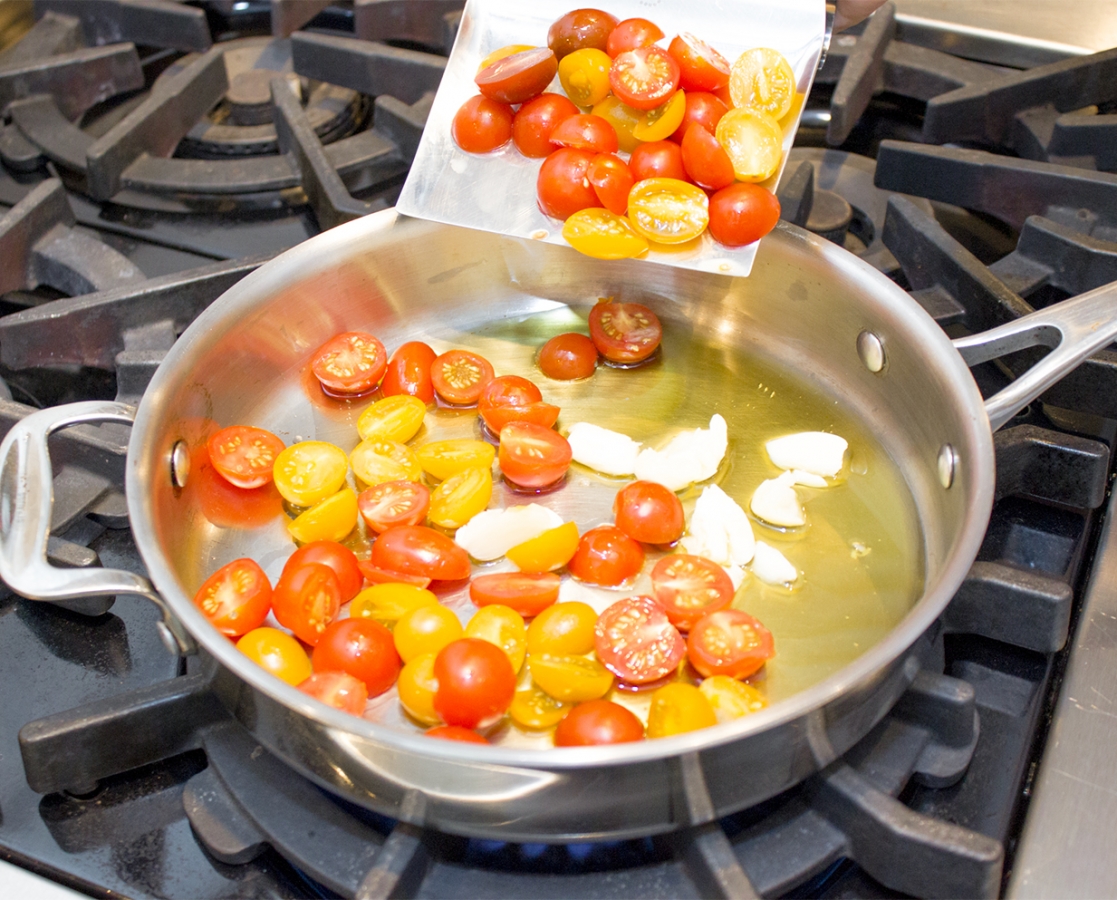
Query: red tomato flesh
(611, 179)
(338, 557)
(532, 456)
(418, 550)
(562, 186)
(598, 722)
(742, 213)
(649, 512)
(350, 364)
(566, 357)
(536, 119)
(379, 575)
(702, 108)
(455, 733)
(481, 125)
(729, 642)
(244, 455)
(701, 67)
(526, 593)
(337, 689)
(689, 587)
(306, 599)
(409, 372)
(606, 556)
(394, 503)
(459, 376)
(519, 77)
(510, 398)
(362, 648)
(476, 683)
(644, 78)
(624, 332)
(636, 642)
(236, 598)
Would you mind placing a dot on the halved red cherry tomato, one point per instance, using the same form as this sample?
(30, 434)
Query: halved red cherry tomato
(236, 598)
(689, 587)
(586, 132)
(518, 77)
(729, 642)
(361, 647)
(631, 34)
(701, 67)
(612, 180)
(606, 556)
(536, 119)
(409, 372)
(380, 575)
(455, 733)
(337, 689)
(649, 512)
(702, 108)
(338, 557)
(459, 376)
(244, 455)
(227, 506)
(624, 332)
(742, 213)
(706, 163)
(645, 77)
(394, 503)
(598, 722)
(636, 642)
(566, 357)
(562, 186)
(580, 28)
(658, 159)
(306, 599)
(418, 550)
(510, 398)
(481, 125)
(350, 363)
(532, 456)
(528, 594)
(476, 683)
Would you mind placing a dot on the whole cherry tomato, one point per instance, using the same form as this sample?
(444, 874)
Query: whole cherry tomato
(598, 722)
(706, 163)
(689, 587)
(338, 557)
(606, 556)
(418, 550)
(518, 77)
(742, 213)
(425, 629)
(236, 598)
(631, 34)
(532, 456)
(536, 119)
(702, 108)
(244, 455)
(527, 594)
(306, 599)
(409, 372)
(649, 512)
(337, 689)
(361, 647)
(564, 629)
(624, 332)
(476, 683)
(729, 642)
(636, 642)
(658, 159)
(584, 75)
(701, 67)
(276, 652)
(481, 125)
(612, 179)
(349, 364)
(645, 77)
(580, 28)
(394, 503)
(455, 733)
(562, 185)
(459, 376)
(586, 132)
(566, 357)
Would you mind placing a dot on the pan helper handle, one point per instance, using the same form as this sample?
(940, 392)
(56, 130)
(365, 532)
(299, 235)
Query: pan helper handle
(1075, 330)
(26, 500)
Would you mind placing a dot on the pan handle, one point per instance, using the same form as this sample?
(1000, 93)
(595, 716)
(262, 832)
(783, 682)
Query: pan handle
(26, 499)
(1075, 329)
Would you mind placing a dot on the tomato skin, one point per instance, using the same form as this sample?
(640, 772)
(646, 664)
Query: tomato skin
(702, 108)
(729, 642)
(645, 77)
(611, 179)
(584, 75)
(244, 455)
(276, 652)
(425, 629)
(236, 598)
(306, 599)
(566, 357)
(580, 28)
(418, 550)
(455, 733)
(409, 372)
(527, 594)
(606, 556)
(623, 118)
(536, 119)
(586, 131)
(565, 629)
(701, 67)
(678, 708)
(624, 332)
(562, 185)
(507, 395)
(337, 689)
(660, 123)
(416, 687)
(394, 503)
(547, 551)
(459, 376)
(532, 456)
(362, 648)
(706, 163)
(380, 575)
(350, 364)
(690, 587)
(570, 679)
(518, 77)
(630, 34)
(598, 722)
(658, 159)
(481, 125)
(742, 213)
(341, 559)
(635, 641)
(441, 459)
(475, 683)
(649, 512)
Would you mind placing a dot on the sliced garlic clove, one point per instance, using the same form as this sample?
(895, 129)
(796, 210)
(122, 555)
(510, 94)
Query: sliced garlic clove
(816, 452)
(772, 567)
(602, 450)
(492, 533)
(776, 503)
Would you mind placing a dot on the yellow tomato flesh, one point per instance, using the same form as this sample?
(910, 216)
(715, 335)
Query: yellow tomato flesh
(278, 653)
(570, 679)
(660, 123)
(441, 459)
(502, 626)
(536, 710)
(395, 418)
(753, 141)
(377, 460)
(551, 550)
(603, 234)
(563, 629)
(762, 79)
(387, 603)
(730, 699)
(426, 629)
(310, 471)
(677, 708)
(417, 686)
(668, 210)
(331, 520)
(624, 120)
(460, 497)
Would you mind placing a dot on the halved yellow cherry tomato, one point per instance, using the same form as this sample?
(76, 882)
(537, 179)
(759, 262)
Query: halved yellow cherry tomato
(623, 118)
(277, 652)
(678, 707)
(417, 686)
(570, 679)
(563, 628)
(762, 79)
(395, 418)
(331, 520)
(387, 603)
(546, 552)
(310, 471)
(753, 141)
(441, 459)
(460, 497)
(503, 52)
(584, 75)
(376, 460)
(730, 699)
(668, 210)
(660, 123)
(602, 234)
(426, 629)
(503, 626)
(536, 710)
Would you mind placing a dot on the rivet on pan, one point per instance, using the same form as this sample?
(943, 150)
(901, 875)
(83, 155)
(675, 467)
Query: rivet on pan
(180, 464)
(948, 462)
(871, 351)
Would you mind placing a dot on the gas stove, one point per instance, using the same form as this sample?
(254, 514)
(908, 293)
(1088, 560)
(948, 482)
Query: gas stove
(154, 153)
